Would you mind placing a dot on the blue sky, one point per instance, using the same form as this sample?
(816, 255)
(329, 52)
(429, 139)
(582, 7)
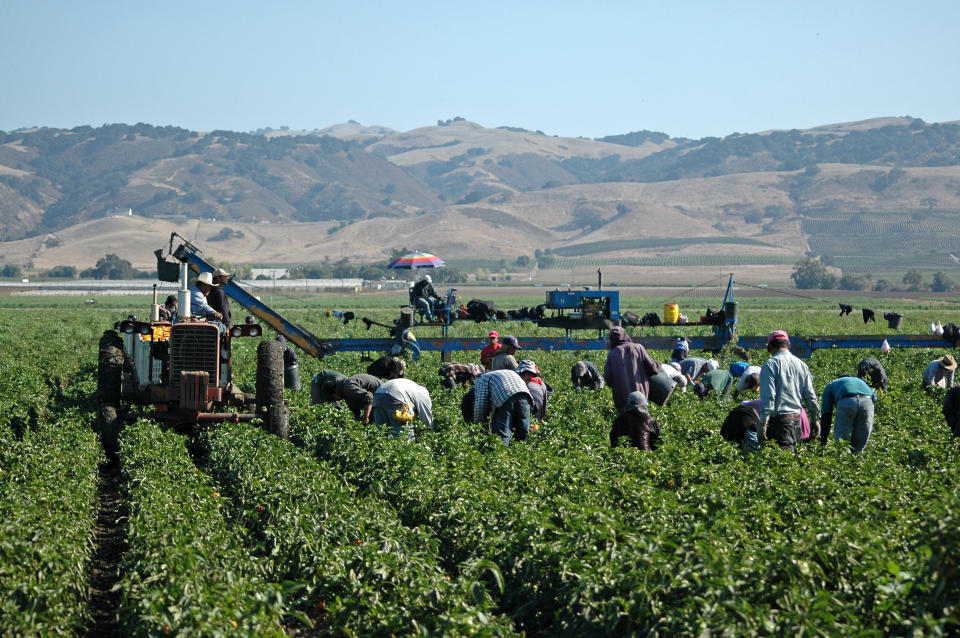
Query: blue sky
(688, 69)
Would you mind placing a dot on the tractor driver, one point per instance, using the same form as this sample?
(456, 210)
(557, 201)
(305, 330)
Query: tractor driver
(200, 288)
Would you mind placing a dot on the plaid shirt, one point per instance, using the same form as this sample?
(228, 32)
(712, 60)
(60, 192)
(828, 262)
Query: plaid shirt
(460, 372)
(493, 389)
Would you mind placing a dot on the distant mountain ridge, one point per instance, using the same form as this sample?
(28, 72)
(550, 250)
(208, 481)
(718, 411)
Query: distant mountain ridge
(355, 191)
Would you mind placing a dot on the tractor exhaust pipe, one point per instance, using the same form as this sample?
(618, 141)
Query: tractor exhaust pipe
(155, 307)
(183, 295)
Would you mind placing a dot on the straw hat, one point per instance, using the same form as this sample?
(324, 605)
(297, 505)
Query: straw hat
(948, 362)
(203, 278)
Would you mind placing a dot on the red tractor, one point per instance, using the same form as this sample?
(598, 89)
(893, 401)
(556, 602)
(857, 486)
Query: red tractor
(181, 373)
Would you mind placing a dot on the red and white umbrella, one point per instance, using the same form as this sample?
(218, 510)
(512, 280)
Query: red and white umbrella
(417, 260)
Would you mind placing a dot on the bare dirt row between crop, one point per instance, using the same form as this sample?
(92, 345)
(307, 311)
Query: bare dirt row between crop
(109, 546)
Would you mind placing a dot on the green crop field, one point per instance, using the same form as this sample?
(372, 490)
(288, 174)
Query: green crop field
(343, 531)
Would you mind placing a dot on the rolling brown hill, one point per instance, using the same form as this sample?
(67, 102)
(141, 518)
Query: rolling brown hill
(460, 190)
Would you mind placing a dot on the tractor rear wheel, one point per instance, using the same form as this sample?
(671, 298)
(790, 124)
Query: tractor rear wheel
(108, 427)
(270, 405)
(110, 368)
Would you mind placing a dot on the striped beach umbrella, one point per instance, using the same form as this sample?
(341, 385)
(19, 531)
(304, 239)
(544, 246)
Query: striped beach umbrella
(417, 260)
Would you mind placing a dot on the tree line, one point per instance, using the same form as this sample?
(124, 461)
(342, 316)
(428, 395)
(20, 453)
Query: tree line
(811, 273)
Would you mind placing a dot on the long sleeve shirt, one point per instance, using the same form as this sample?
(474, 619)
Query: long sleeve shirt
(585, 374)
(400, 391)
(628, 369)
(460, 372)
(836, 390)
(198, 304)
(839, 388)
(219, 301)
(936, 374)
(357, 392)
(493, 389)
(786, 385)
(641, 429)
(693, 367)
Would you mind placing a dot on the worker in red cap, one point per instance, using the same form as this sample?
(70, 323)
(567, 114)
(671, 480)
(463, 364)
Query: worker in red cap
(493, 344)
(786, 385)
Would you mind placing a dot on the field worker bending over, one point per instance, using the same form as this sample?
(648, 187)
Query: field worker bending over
(680, 350)
(718, 381)
(785, 386)
(584, 374)
(749, 380)
(854, 401)
(636, 424)
(672, 370)
(872, 368)
(939, 373)
(628, 367)
(356, 391)
(695, 367)
(540, 390)
(397, 402)
(454, 373)
(951, 409)
(503, 393)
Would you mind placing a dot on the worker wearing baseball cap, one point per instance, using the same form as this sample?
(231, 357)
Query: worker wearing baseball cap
(489, 350)
(218, 295)
(786, 386)
(504, 359)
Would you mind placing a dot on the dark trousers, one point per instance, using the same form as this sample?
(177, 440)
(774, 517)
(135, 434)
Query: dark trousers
(785, 430)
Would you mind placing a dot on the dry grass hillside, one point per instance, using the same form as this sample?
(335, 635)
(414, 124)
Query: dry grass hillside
(467, 192)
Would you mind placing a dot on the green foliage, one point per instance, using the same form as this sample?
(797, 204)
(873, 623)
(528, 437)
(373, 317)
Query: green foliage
(811, 273)
(113, 267)
(942, 282)
(913, 279)
(62, 272)
(186, 571)
(361, 570)
(11, 270)
(559, 535)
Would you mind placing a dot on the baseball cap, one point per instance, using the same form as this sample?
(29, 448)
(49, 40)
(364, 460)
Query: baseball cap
(511, 341)
(778, 334)
(220, 272)
(493, 333)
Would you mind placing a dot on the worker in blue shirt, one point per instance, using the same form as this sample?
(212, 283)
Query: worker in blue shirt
(853, 400)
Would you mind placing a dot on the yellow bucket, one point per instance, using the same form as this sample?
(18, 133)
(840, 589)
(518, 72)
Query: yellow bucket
(671, 313)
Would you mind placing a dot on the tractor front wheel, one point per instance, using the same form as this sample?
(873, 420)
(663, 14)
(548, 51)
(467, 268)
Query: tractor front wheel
(270, 405)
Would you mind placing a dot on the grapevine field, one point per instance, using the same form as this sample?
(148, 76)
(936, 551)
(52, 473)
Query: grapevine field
(343, 531)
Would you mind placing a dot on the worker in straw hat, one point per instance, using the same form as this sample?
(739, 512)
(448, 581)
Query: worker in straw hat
(939, 373)
(200, 288)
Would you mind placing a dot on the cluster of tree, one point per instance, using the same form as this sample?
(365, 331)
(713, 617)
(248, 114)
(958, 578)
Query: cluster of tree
(113, 267)
(813, 273)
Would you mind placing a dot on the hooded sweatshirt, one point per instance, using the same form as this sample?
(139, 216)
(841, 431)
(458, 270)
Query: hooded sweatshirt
(628, 367)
